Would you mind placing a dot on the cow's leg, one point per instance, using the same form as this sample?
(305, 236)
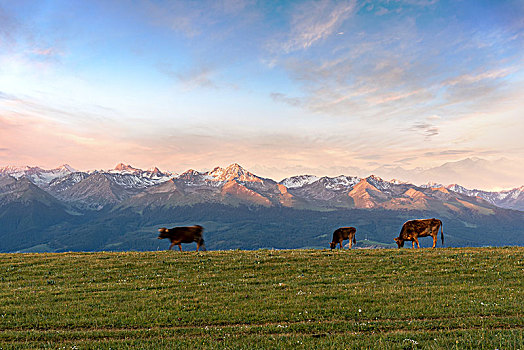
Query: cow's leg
(413, 244)
(350, 243)
(340, 243)
(171, 246)
(180, 246)
(435, 240)
(416, 240)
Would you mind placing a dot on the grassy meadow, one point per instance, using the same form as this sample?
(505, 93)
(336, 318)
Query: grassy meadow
(463, 298)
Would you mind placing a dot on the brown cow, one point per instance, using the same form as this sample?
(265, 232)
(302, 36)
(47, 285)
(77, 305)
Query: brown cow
(342, 234)
(413, 229)
(187, 234)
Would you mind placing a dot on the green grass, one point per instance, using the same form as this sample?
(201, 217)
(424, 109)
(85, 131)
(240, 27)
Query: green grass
(466, 298)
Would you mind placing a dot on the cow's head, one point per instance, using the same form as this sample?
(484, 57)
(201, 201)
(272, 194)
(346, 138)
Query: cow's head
(400, 242)
(332, 245)
(163, 233)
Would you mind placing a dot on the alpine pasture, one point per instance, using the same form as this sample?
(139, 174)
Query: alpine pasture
(464, 298)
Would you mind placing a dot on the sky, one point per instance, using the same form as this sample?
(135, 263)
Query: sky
(281, 87)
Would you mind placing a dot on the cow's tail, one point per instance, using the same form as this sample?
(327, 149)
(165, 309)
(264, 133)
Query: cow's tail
(442, 232)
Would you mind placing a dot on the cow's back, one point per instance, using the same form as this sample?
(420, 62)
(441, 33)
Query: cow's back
(187, 234)
(344, 233)
(416, 228)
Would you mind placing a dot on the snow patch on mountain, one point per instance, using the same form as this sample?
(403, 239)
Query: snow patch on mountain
(340, 182)
(378, 183)
(431, 185)
(299, 181)
(63, 183)
(37, 175)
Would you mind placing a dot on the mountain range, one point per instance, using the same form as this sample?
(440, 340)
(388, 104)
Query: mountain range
(128, 186)
(114, 209)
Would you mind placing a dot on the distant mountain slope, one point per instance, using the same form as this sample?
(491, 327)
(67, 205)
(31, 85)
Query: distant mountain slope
(26, 211)
(22, 190)
(255, 227)
(511, 199)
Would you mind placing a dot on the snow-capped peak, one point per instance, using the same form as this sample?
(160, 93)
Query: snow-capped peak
(431, 185)
(299, 181)
(457, 188)
(233, 172)
(125, 168)
(341, 182)
(36, 175)
(67, 167)
(378, 183)
(154, 170)
(189, 174)
(13, 169)
(398, 182)
(215, 173)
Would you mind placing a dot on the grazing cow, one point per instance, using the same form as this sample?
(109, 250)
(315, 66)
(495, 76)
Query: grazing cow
(413, 229)
(342, 234)
(188, 234)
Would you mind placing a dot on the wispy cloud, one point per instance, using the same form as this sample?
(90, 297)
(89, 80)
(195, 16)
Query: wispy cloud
(420, 2)
(216, 18)
(23, 41)
(398, 69)
(426, 129)
(46, 52)
(4, 96)
(313, 21)
(470, 78)
(283, 98)
(9, 29)
(451, 152)
(195, 77)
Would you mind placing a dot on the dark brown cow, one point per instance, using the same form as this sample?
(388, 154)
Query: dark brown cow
(413, 229)
(342, 234)
(187, 234)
